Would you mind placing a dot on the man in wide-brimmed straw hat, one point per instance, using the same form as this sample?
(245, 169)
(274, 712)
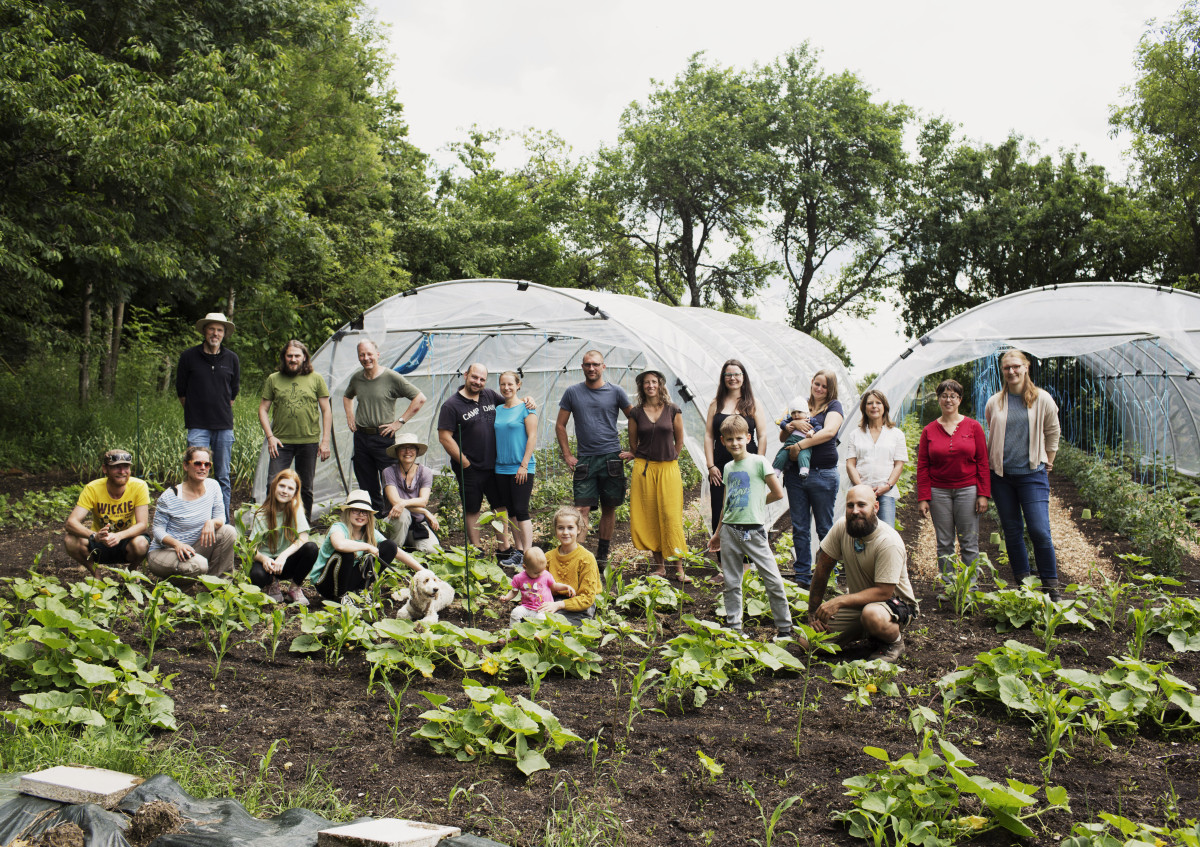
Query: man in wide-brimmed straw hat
(406, 487)
(207, 382)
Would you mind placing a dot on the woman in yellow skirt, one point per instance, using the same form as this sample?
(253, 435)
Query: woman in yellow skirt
(656, 490)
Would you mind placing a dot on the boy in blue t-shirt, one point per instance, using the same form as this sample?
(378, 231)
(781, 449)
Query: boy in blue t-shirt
(750, 484)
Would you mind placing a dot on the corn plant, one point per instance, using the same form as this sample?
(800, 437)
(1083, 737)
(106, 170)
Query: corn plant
(960, 583)
(492, 725)
(223, 609)
(641, 682)
(1104, 604)
(813, 642)
(770, 822)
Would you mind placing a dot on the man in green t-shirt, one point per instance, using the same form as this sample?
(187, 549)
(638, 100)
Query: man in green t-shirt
(298, 429)
(374, 422)
(879, 600)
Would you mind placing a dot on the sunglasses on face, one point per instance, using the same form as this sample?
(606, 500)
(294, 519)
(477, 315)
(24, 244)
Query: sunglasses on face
(199, 464)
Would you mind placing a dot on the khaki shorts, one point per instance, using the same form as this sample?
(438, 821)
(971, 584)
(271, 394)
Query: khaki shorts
(847, 623)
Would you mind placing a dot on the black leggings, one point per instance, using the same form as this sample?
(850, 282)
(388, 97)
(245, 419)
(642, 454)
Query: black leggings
(296, 567)
(515, 496)
(343, 576)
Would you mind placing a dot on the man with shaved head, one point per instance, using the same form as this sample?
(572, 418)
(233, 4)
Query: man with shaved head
(879, 602)
(374, 423)
(467, 432)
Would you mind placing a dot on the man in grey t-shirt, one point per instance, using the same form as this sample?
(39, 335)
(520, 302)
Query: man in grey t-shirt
(598, 468)
(879, 601)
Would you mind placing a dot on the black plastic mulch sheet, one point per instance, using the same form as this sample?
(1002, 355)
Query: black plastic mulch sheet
(208, 823)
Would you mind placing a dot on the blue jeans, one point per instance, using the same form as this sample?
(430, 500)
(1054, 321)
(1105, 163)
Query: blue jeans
(810, 499)
(220, 444)
(1028, 494)
(887, 510)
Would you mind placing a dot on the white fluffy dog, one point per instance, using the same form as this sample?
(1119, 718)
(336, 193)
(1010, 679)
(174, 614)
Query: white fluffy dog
(425, 596)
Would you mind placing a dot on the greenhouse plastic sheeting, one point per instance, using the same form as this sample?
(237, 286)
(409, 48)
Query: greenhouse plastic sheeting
(543, 331)
(1143, 338)
(209, 823)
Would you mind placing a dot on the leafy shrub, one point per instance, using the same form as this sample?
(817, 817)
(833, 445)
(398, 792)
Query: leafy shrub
(1153, 521)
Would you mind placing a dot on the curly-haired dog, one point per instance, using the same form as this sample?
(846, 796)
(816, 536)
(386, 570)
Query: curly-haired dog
(425, 596)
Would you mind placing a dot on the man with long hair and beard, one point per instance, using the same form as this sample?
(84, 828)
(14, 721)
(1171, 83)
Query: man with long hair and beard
(879, 602)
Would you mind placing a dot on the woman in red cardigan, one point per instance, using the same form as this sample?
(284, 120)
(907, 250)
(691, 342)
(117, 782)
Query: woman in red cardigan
(953, 480)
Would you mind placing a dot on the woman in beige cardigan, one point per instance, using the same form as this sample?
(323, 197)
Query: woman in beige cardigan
(1023, 435)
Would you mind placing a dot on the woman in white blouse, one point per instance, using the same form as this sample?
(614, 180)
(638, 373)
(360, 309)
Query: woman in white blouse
(876, 452)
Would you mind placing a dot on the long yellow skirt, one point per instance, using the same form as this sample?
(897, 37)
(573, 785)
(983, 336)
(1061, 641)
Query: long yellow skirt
(656, 508)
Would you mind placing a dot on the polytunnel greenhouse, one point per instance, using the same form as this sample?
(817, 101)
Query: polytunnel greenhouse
(1122, 361)
(431, 334)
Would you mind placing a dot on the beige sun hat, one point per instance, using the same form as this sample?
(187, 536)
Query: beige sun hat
(358, 499)
(406, 439)
(215, 318)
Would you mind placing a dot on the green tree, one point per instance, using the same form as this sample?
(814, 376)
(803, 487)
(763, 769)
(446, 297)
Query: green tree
(686, 180)
(1163, 116)
(833, 188)
(988, 221)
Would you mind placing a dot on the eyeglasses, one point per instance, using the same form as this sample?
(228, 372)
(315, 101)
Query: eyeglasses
(593, 364)
(199, 464)
(732, 374)
(949, 395)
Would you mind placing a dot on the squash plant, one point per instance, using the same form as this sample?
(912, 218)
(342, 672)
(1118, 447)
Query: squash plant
(492, 725)
(78, 673)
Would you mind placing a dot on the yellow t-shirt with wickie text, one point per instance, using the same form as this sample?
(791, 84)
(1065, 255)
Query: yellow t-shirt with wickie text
(118, 514)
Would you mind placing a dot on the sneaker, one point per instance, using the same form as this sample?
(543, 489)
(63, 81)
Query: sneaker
(274, 592)
(784, 637)
(502, 556)
(888, 652)
(516, 560)
(802, 472)
(295, 595)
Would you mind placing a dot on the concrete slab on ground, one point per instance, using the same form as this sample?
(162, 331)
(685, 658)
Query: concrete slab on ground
(77, 785)
(386, 832)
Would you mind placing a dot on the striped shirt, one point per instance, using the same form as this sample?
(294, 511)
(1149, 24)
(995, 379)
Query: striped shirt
(182, 519)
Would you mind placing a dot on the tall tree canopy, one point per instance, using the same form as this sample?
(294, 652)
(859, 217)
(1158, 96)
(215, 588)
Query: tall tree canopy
(990, 220)
(1163, 116)
(687, 182)
(836, 175)
(197, 155)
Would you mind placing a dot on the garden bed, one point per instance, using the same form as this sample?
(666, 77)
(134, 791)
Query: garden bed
(647, 780)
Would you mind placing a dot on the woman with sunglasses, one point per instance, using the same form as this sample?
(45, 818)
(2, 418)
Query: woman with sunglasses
(734, 397)
(190, 536)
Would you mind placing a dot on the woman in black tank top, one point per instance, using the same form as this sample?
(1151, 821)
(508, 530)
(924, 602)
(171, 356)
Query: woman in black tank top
(734, 397)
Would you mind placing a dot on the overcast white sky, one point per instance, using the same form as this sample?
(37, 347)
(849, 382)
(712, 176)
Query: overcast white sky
(1048, 69)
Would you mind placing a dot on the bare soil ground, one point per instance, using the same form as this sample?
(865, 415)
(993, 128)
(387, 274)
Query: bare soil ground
(652, 778)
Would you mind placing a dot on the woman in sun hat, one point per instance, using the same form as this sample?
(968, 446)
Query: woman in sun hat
(656, 486)
(346, 562)
(406, 488)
